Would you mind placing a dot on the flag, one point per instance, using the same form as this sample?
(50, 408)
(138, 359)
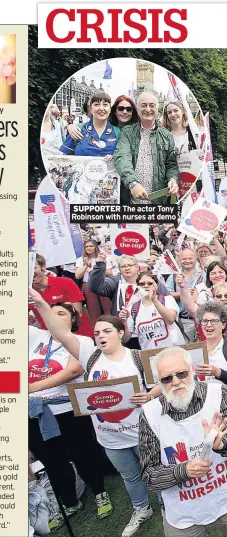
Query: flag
(53, 238)
(166, 264)
(108, 71)
(180, 97)
(208, 178)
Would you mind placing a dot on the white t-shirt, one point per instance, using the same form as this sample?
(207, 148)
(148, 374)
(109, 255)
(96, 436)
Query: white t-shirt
(152, 330)
(204, 294)
(91, 264)
(217, 358)
(116, 430)
(38, 343)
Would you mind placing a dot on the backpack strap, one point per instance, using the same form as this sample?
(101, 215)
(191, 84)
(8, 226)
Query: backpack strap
(137, 362)
(91, 361)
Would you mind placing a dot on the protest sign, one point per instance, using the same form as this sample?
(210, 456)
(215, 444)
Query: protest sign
(130, 239)
(85, 179)
(189, 167)
(103, 396)
(198, 353)
(202, 219)
(53, 238)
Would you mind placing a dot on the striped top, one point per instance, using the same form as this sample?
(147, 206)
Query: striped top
(158, 476)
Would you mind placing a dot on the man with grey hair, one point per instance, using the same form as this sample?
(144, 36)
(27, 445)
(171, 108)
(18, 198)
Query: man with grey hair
(145, 155)
(119, 289)
(173, 429)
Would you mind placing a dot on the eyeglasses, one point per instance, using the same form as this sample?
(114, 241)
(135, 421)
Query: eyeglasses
(220, 296)
(127, 266)
(214, 322)
(181, 375)
(142, 284)
(127, 108)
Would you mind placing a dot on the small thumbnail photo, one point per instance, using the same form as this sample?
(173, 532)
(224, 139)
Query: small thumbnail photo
(8, 69)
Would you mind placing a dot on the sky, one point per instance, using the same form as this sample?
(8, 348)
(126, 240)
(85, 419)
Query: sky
(123, 75)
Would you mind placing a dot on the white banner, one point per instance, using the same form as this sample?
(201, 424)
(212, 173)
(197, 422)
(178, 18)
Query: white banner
(202, 219)
(53, 238)
(222, 194)
(208, 177)
(174, 81)
(130, 239)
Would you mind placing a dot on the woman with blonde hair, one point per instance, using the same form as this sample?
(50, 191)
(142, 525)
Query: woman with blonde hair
(96, 305)
(175, 119)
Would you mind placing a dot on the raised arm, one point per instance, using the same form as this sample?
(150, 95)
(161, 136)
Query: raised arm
(55, 325)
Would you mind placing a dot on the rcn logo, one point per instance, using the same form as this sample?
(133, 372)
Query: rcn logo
(179, 454)
(47, 200)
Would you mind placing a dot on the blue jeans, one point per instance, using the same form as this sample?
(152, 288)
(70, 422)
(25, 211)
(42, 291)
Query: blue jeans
(126, 461)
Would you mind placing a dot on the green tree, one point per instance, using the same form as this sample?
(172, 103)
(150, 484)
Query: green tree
(204, 71)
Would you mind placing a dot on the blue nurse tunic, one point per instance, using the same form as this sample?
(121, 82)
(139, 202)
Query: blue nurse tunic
(92, 144)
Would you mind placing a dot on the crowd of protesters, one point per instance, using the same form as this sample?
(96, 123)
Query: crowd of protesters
(85, 323)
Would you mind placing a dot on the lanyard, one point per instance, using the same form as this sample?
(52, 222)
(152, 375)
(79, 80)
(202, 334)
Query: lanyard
(50, 352)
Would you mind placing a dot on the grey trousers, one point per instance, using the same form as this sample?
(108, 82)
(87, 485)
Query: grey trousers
(195, 531)
(189, 328)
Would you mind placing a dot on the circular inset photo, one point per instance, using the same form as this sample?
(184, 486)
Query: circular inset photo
(124, 131)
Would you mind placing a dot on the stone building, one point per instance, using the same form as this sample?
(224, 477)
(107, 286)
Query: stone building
(72, 89)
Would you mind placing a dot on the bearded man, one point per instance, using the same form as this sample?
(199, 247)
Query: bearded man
(173, 429)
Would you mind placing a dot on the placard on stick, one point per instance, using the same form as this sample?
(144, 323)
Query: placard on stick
(198, 352)
(98, 397)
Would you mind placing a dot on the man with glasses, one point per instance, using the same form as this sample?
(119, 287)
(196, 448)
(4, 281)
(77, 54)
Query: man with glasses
(145, 155)
(119, 289)
(173, 429)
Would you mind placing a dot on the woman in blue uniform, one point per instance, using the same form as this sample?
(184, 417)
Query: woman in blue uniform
(99, 136)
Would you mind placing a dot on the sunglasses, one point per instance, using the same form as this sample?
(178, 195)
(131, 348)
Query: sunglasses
(221, 296)
(181, 375)
(214, 322)
(142, 284)
(127, 108)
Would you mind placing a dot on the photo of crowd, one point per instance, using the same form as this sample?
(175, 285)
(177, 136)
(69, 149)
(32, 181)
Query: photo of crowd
(93, 319)
(160, 153)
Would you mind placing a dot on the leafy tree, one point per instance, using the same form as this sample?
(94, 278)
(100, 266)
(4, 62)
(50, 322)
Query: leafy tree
(204, 71)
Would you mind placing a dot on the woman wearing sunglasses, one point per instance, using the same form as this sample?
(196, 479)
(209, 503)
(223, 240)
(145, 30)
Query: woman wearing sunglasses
(153, 318)
(212, 318)
(123, 112)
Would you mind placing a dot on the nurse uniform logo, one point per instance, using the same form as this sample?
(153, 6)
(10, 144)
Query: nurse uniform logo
(176, 454)
(47, 200)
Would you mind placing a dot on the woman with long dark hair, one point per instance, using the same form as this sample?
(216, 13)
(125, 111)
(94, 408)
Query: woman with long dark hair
(51, 366)
(117, 432)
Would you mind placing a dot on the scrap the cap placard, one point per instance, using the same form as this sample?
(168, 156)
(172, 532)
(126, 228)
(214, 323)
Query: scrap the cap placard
(198, 353)
(204, 218)
(103, 396)
(130, 239)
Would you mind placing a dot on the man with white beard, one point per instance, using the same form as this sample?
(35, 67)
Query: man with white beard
(173, 429)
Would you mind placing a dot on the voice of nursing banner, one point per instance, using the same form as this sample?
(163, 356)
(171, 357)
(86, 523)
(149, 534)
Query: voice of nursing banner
(54, 240)
(163, 25)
